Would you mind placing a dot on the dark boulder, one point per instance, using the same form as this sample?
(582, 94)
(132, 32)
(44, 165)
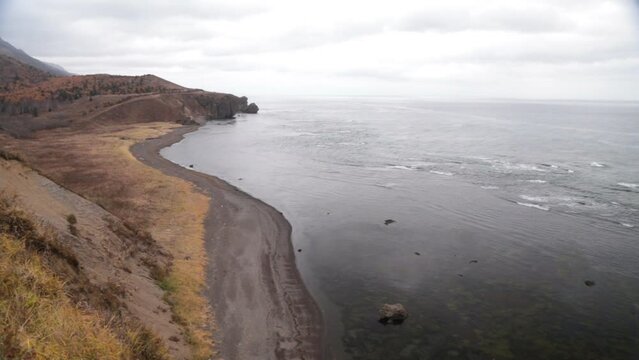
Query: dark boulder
(252, 109)
(392, 314)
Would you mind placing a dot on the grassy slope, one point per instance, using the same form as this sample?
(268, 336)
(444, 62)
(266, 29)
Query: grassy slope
(99, 166)
(38, 320)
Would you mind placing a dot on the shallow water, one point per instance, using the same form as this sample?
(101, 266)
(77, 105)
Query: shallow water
(503, 211)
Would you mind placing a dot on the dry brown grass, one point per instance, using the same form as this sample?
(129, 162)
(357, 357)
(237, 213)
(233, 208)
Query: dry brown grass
(37, 320)
(38, 317)
(99, 166)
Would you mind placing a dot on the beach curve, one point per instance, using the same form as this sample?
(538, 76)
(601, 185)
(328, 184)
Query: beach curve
(262, 308)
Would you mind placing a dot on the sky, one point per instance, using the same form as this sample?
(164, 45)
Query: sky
(542, 49)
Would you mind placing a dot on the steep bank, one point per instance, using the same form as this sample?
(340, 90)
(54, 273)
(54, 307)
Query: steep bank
(104, 275)
(97, 165)
(262, 308)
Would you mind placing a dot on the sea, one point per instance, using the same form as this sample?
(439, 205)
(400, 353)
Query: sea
(507, 229)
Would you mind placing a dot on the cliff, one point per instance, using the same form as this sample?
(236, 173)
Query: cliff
(91, 100)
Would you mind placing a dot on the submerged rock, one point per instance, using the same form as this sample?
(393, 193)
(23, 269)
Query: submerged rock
(392, 314)
(252, 108)
(589, 283)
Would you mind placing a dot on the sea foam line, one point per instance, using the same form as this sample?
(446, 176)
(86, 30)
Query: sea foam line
(445, 173)
(533, 198)
(544, 208)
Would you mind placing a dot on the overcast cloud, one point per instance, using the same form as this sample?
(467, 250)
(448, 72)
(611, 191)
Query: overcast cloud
(543, 49)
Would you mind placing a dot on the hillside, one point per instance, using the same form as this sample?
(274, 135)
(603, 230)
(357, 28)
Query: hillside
(118, 247)
(15, 75)
(9, 50)
(65, 265)
(56, 91)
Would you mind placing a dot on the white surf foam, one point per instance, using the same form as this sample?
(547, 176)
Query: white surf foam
(628, 185)
(544, 208)
(536, 181)
(490, 187)
(525, 167)
(403, 167)
(445, 173)
(533, 198)
(596, 164)
(627, 225)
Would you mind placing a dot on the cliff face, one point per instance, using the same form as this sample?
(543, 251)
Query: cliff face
(220, 106)
(184, 107)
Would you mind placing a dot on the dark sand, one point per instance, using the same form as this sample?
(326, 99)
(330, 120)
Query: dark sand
(261, 305)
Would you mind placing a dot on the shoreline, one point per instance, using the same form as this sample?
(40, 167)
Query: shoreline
(262, 307)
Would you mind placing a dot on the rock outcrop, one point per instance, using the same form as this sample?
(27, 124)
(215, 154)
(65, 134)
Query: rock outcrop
(252, 109)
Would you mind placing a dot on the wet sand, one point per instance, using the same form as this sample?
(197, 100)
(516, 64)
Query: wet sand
(261, 305)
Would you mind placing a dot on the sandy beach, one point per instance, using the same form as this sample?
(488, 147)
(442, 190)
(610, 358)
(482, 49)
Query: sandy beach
(262, 308)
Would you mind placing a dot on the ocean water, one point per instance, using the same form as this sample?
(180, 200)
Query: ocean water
(503, 211)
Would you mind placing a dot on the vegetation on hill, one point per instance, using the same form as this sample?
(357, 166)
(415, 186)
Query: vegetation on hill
(38, 318)
(49, 94)
(16, 75)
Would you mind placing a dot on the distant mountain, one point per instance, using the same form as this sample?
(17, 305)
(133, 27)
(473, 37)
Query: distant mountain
(16, 75)
(9, 50)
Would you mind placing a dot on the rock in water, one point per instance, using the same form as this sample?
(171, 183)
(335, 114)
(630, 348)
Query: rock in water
(392, 313)
(252, 109)
(388, 221)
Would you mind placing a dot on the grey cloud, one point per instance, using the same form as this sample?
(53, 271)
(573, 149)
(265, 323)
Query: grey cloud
(110, 25)
(519, 19)
(248, 40)
(299, 38)
(145, 10)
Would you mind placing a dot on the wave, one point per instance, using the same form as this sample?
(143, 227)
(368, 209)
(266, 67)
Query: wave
(628, 185)
(307, 133)
(524, 167)
(534, 198)
(490, 187)
(596, 164)
(445, 173)
(626, 225)
(387, 185)
(537, 181)
(544, 208)
(404, 167)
